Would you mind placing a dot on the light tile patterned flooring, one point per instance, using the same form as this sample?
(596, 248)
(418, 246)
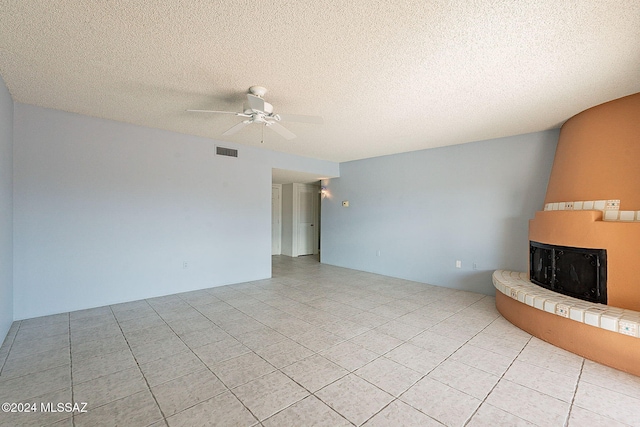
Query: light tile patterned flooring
(315, 345)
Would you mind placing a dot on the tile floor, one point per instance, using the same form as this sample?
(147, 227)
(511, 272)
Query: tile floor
(316, 345)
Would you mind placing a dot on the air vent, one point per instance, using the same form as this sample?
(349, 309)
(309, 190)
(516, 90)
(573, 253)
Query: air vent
(221, 151)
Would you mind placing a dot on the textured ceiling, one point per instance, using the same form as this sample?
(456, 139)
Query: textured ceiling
(387, 76)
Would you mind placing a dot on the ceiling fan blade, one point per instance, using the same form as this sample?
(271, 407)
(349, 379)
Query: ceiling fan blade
(221, 112)
(301, 119)
(255, 102)
(212, 111)
(284, 132)
(237, 127)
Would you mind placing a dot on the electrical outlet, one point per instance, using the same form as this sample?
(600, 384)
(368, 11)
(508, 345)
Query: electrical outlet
(184, 264)
(475, 265)
(458, 264)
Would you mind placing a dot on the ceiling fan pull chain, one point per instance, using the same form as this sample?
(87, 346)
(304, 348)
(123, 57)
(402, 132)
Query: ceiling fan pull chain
(263, 125)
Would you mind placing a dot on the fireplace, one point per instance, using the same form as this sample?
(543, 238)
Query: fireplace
(582, 289)
(576, 272)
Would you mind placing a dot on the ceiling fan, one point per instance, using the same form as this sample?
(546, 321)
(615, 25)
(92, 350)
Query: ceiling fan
(257, 110)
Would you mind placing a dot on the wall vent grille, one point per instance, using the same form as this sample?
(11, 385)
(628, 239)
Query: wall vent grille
(229, 152)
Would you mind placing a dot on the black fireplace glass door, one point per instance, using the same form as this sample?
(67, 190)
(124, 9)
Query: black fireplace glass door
(541, 266)
(577, 272)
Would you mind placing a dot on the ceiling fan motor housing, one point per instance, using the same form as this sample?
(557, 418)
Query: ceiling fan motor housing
(268, 109)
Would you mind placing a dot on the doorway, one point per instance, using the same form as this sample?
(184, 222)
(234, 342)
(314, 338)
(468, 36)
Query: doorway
(276, 219)
(306, 220)
(295, 219)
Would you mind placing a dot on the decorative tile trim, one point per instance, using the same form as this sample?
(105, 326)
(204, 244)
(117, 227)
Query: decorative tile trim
(626, 216)
(610, 208)
(517, 286)
(591, 205)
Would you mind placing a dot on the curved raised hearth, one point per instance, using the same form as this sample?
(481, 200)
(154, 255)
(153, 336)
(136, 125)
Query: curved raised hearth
(598, 332)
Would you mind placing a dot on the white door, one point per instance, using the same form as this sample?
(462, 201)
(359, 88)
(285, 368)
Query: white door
(276, 220)
(306, 219)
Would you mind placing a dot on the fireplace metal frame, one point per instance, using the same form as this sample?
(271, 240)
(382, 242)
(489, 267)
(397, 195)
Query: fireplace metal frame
(552, 259)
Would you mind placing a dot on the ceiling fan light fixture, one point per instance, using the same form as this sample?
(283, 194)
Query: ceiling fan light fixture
(258, 91)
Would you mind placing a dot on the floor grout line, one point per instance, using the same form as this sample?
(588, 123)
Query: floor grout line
(146, 381)
(575, 392)
(73, 400)
(13, 340)
(206, 365)
(496, 384)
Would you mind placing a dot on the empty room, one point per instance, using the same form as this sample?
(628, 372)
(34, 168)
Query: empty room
(319, 213)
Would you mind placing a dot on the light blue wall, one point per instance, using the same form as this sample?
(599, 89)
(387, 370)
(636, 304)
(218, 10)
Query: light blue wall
(107, 212)
(424, 210)
(6, 210)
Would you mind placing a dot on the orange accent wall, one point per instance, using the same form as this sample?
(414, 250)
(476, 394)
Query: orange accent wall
(606, 347)
(598, 158)
(598, 155)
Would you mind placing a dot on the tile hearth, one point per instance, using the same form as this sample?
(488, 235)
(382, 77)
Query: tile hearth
(317, 345)
(516, 285)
